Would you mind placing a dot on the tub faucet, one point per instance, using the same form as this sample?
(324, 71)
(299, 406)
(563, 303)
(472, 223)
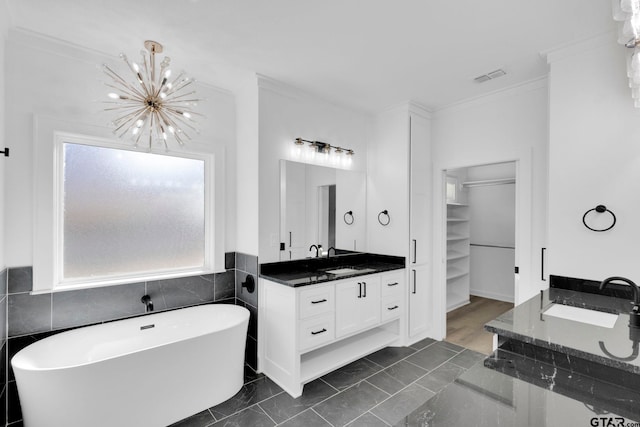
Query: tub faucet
(146, 300)
(317, 249)
(634, 316)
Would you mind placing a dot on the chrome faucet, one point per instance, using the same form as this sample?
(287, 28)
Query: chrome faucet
(634, 316)
(146, 300)
(317, 249)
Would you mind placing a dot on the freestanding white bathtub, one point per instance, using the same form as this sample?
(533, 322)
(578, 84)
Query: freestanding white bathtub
(146, 371)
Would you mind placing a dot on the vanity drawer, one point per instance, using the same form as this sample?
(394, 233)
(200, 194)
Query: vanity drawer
(391, 308)
(316, 331)
(316, 300)
(392, 284)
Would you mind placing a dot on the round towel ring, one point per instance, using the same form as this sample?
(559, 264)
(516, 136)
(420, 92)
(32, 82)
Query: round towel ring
(385, 213)
(599, 209)
(348, 217)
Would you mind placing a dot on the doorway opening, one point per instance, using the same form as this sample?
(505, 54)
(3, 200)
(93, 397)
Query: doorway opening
(480, 250)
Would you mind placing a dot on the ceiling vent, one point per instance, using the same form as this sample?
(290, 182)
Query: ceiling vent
(490, 76)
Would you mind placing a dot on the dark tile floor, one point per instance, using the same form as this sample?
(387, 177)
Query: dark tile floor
(377, 390)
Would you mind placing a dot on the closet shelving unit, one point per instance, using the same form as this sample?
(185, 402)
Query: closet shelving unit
(458, 249)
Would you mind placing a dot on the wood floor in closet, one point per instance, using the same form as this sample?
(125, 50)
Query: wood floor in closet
(465, 325)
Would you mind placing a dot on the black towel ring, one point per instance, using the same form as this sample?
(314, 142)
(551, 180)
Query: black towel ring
(346, 217)
(599, 209)
(385, 213)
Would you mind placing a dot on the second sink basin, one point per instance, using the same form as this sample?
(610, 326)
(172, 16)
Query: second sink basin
(582, 315)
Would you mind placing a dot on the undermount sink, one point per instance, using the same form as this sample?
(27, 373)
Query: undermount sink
(346, 270)
(582, 315)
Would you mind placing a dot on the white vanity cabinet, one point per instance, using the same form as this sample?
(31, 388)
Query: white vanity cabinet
(308, 331)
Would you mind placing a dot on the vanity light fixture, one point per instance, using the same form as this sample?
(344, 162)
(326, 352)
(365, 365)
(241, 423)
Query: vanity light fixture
(627, 12)
(151, 105)
(337, 156)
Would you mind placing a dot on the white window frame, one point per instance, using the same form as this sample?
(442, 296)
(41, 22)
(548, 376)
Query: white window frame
(48, 269)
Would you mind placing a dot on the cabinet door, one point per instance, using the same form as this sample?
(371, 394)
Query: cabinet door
(420, 299)
(370, 302)
(420, 215)
(348, 296)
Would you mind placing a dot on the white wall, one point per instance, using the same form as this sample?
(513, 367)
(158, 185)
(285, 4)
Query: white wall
(4, 28)
(286, 114)
(594, 159)
(503, 126)
(46, 78)
(388, 183)
(247, 167)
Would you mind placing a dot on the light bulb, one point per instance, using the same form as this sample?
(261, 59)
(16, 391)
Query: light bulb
(113, 95)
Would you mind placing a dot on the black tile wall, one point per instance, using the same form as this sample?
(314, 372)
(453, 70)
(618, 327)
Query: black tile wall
(242, 293)
(20, 279)
(229, 260)
(95, 305)
(26, 318)
(247, 265)
(174, 293)
(225, 285)
(29, 313)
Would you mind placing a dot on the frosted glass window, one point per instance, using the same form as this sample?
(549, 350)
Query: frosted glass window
(129, 213)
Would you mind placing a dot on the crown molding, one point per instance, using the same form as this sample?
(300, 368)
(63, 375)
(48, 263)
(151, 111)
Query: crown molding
(408, 107)
(42, 42)
(513, 90)
(576, 47)
(293, 92)
(419, 109)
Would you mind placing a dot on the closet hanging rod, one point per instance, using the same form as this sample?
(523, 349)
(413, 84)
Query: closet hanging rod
(492, 246)
(486, 182)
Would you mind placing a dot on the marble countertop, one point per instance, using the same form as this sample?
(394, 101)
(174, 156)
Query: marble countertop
(524, 394)
(311, 271)
(533, 378)
(528, 323)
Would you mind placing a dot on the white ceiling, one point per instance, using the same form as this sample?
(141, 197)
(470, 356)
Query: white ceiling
(368, 54)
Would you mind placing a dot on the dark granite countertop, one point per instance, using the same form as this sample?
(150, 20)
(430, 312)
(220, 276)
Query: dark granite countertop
(548, 371)
(611, 347)
(511, 390)
(311, 271)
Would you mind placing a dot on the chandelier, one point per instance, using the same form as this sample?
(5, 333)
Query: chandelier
(150, 106)
(628, 13)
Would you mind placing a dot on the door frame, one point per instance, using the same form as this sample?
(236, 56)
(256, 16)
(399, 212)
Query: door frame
(523, 222)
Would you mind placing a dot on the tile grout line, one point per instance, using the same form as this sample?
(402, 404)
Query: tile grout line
(375, 386)
(369, 412)
(266, 413)
(338, 391)
(413, 382)
(318, 414)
